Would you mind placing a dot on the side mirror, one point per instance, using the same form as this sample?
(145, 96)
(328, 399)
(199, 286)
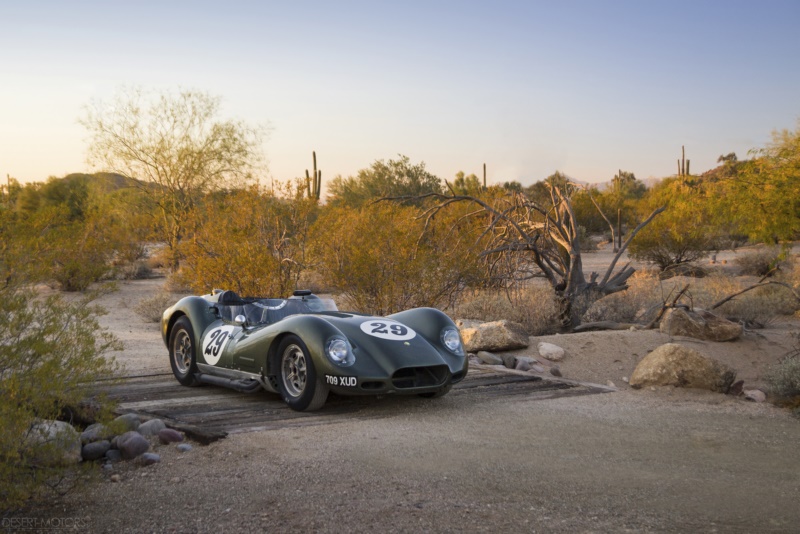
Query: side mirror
(240, 320)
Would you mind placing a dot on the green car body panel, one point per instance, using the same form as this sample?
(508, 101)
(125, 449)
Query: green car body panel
(404, 353)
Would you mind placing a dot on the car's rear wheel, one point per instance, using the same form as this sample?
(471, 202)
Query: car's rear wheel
(300, 386)
(182, 352)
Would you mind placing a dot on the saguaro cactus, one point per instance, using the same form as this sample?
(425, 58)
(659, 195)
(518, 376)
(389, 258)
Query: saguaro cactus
(683, 163)
(314, 185)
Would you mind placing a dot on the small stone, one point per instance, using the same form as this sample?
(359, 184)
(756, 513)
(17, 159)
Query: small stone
(151, 427)
(755, 395)
(169, 435)
(132, 444)
(522, 365)
(652, 388)
(95, 450)
(537, 369)
(175, 480)
(625, 379)
(488, 358)
(184, 447)
(129, 421)
(509, 361)
(555, 371)
(611, 384)
(113, 456)
(115, 478)
(108, 467)
(149, 458)
(554, 353)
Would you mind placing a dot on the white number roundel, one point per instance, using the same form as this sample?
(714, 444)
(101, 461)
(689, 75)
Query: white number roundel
(214, 343)
(387, 329)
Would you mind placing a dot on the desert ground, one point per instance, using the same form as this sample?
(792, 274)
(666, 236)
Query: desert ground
(652, 460)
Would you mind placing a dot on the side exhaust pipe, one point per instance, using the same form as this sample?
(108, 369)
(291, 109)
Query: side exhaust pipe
(245, 386)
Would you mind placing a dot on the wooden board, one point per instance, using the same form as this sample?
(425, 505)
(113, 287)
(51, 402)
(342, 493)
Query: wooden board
(208, 413)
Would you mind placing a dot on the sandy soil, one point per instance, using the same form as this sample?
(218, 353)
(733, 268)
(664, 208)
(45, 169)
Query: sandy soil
(663, 460)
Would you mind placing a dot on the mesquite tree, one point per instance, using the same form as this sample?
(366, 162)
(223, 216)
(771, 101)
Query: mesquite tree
(540, 240)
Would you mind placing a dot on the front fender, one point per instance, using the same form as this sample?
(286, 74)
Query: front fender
(197, 309)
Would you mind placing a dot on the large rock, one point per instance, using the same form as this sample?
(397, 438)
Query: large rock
(674, 365)
(699, 324)
(151, 427)
(54, 443)
(496, 335)
(489, 359)
(95, 450)
(128, 421)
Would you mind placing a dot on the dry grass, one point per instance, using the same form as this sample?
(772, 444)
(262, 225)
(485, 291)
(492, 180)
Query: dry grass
(762, 261)
(638, 304)
(151, 309)
(535, 307)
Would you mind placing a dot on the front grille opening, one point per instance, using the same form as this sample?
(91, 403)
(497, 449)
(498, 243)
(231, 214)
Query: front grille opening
(458, 376)
(418, 377)
(371, 385)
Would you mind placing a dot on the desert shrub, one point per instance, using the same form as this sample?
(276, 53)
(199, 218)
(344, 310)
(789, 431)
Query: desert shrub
(250, 240)
(533, 306)
(50, 351)
(380, 261)
(151, 308)
(784, 378)
(761, 262)
(637, 304)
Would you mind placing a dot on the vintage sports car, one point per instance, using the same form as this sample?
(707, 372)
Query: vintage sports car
(303, 348)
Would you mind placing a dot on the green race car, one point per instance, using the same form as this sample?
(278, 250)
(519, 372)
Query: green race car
(303, 348)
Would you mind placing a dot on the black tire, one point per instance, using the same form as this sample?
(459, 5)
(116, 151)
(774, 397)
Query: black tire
(300, 386)
(436, 394)
(183, 353)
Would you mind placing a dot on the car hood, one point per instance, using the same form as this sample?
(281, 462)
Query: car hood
(389, 353)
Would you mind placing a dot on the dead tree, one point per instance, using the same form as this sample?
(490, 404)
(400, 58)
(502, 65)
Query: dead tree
(547, 238)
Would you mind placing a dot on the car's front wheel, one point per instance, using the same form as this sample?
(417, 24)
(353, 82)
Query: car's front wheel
(299, 384)
(182, 352)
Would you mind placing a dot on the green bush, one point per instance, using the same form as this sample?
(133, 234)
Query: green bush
(50, 351)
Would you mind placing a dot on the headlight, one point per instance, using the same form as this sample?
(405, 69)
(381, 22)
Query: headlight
(338, 351)
(452, 340)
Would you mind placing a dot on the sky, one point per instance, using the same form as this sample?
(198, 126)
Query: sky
(526, 87)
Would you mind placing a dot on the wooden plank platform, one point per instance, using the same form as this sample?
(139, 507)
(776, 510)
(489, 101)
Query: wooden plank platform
(208, 413)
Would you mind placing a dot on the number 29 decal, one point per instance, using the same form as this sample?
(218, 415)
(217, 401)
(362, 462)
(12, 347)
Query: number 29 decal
(387, 329)
(214, 343)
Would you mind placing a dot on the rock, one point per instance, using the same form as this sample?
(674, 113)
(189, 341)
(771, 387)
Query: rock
(128, 421)
(131, 444)
(169, 435)
(55, 443)
(95, 450)
(151, 427)
(699, 324)
(736, 388)
(184, 447)
(625, 379)
(674, 365)
(95, 432)
(468, 323)
(554, 353)
(555, 371)
(113, 456)
(522, 365)
(149, 458)
(115, 478)
(611, 384)
(537, 368)
(755, 395)
(496, 335)
(488, 358)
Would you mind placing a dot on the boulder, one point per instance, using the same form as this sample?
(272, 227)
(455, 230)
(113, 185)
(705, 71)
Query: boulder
(55, 443)
(151, 427)
(496, 335)
(674, 365)
(554, 353)
(95, 450)
(699, 324)
(131, 444)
